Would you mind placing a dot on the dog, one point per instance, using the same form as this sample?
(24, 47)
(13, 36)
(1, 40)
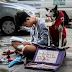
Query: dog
(57, 32)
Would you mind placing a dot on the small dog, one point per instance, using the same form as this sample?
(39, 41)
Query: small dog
(57, 31)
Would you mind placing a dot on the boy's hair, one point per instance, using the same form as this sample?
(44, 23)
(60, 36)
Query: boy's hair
(20, 18)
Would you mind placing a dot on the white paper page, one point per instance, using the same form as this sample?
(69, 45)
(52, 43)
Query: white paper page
(47, 56)
(14, 38)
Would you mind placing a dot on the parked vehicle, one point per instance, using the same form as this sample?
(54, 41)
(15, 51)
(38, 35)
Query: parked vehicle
(7, 12)
(64, 5)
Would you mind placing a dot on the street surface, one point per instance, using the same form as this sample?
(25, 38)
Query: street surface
(5, 45)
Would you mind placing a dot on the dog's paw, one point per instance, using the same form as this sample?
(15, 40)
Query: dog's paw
(64, 42)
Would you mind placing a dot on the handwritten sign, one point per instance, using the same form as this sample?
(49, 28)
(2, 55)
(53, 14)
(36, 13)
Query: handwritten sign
(47, 56)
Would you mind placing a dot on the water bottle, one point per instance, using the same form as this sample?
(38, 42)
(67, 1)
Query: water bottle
(25, 60)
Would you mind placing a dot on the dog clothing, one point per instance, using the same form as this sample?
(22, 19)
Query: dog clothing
(54, 29)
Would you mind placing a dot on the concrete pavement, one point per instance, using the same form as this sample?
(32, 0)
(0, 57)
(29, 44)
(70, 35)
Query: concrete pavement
(66, 66)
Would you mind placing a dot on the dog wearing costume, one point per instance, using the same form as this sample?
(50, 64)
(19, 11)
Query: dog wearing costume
(57, 30)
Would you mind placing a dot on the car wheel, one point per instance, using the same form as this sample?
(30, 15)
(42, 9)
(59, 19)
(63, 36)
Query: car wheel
(8, 27)
(66, 18)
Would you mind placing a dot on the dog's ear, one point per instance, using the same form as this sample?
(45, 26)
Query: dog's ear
(55, 7)
(46, 8)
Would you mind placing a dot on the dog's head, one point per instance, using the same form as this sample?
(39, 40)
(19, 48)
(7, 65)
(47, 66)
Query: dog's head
(51, 12)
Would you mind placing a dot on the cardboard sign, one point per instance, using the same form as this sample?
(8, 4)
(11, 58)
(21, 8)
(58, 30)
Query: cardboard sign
(46, 56)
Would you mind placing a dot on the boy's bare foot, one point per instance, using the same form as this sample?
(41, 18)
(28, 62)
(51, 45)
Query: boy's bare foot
(23, 56)
(20, 52)
(16, 51)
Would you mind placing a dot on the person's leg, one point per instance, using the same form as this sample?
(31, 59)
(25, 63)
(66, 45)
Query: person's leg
(15, 45)
(28, 50)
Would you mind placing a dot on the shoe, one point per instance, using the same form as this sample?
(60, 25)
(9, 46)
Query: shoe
(8, 52)
(4, 61)
(10, 59)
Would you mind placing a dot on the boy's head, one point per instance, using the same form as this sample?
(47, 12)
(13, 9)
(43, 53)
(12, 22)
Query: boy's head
(20, 18)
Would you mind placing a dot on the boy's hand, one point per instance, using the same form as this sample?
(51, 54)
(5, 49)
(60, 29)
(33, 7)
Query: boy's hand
(25, 43)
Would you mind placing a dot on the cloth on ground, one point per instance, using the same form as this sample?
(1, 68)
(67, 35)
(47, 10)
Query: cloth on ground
(18, 59)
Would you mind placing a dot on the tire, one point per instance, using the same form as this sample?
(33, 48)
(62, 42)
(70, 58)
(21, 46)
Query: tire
(8, 26)
(66, 18)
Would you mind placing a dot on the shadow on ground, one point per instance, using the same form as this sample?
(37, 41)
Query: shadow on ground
(22, 33)
(68, 26)
(3, 70)
(19, 33)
